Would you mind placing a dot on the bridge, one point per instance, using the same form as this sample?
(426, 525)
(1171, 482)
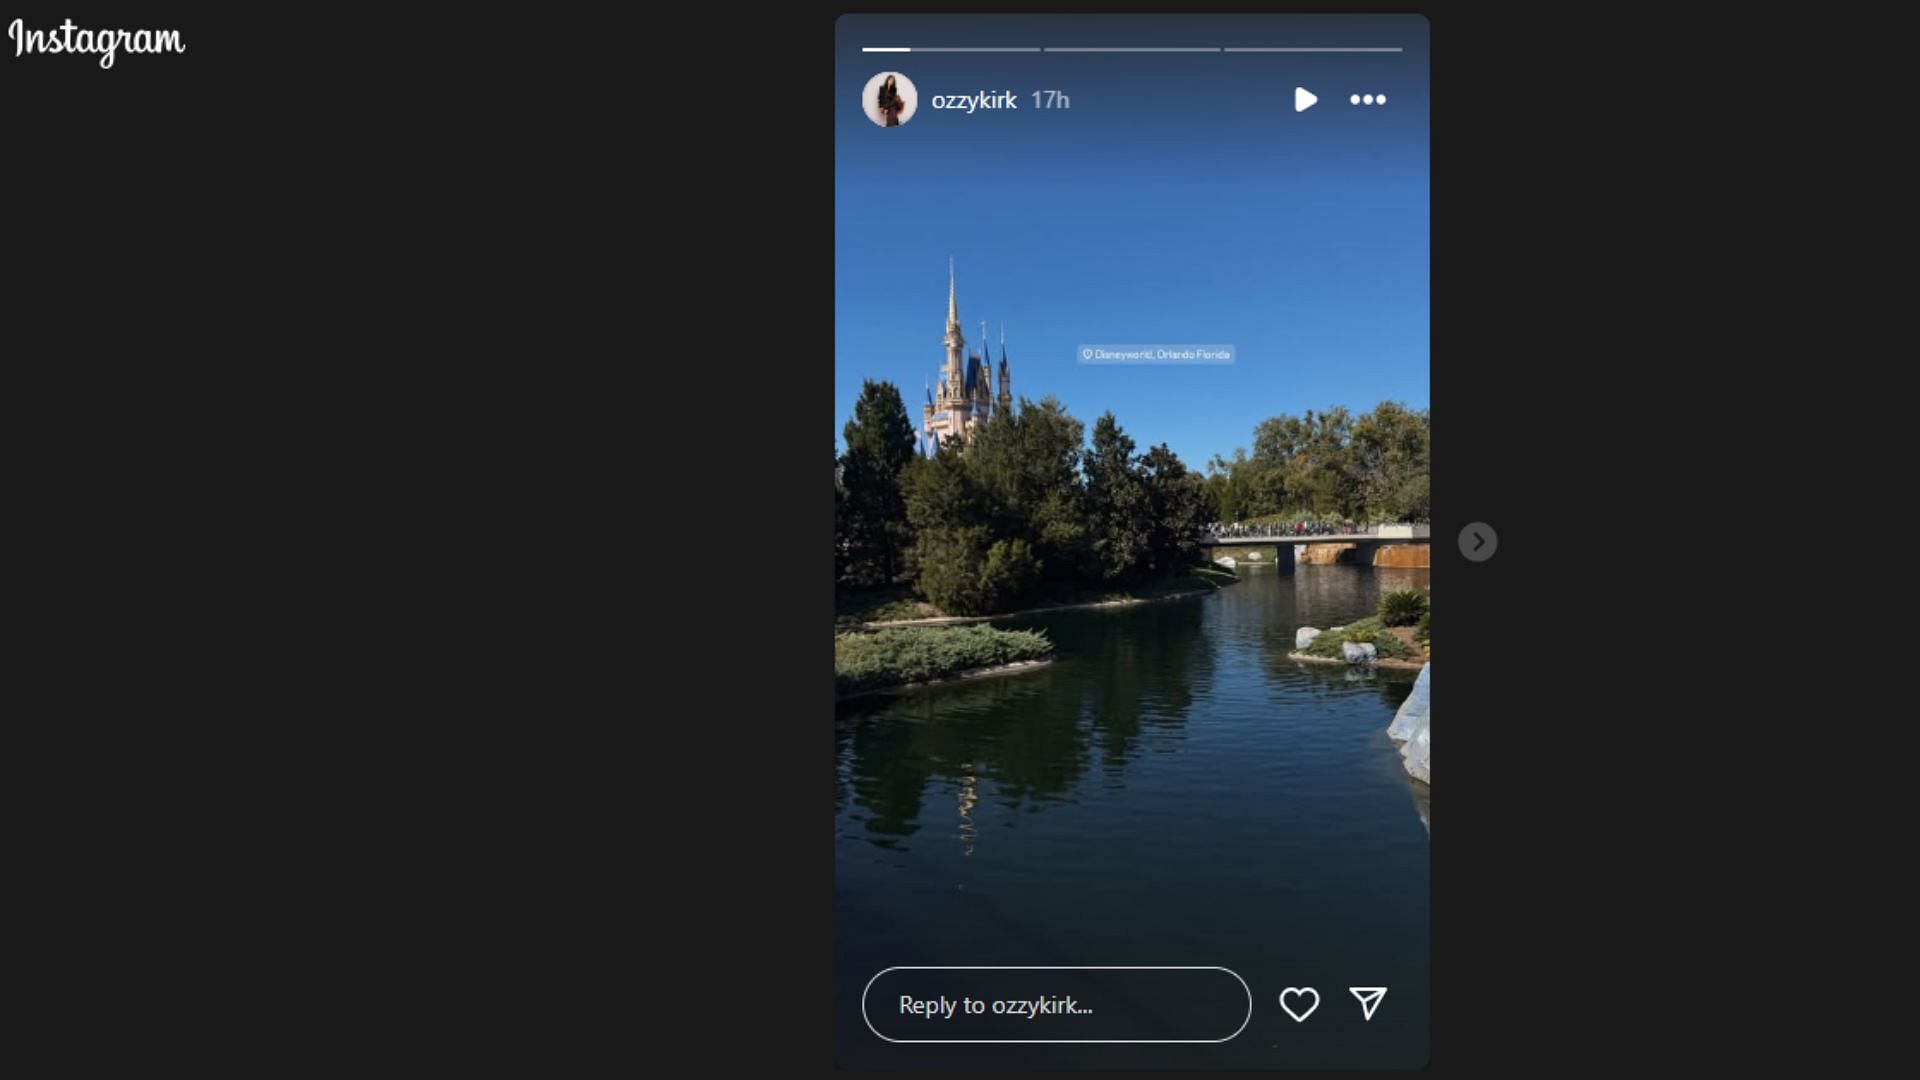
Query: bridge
(1365, 541)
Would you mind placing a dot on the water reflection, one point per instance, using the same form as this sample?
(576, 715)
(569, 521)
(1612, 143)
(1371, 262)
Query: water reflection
(1125, 683)
(1025, 741)
(1171, 787)
(1149, 675)
(969, 831)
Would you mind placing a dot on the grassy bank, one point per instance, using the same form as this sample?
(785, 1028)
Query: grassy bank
(1198, 579)
(914, 654)
(854, 608)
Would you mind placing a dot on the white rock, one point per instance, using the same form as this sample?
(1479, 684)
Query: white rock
(1304, 636)
(1226, 561)
(1418, 752)
(1413, 711)
(1413, 726)
(1358, 652)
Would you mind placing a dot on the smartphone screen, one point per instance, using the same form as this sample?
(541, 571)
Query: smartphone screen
(1132, 528)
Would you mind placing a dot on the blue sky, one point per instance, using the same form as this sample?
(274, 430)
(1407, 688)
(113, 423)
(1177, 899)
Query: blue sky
(1180, 199)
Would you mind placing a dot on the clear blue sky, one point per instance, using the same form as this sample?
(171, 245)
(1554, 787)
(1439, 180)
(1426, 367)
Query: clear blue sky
(1180, 199)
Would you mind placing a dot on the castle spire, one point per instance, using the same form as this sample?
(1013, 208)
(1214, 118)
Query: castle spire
(953, 298)
(1005, 401)
(954, 373)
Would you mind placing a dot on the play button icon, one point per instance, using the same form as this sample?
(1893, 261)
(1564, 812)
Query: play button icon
(1303, 99)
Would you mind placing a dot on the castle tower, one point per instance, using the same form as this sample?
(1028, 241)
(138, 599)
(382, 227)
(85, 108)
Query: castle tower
(956, 345)
(1006, 380)
(983, 388)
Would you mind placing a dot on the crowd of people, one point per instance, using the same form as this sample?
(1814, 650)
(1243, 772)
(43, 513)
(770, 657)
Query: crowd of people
(1283, 529)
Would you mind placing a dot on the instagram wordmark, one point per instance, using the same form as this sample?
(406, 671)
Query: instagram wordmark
(106, 43)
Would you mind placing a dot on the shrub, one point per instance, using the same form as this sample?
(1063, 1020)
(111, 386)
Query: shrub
(1424, 630)
(1010, 570)
(920, 653)
(950, 562)
(1366, 631)
(1402, 607)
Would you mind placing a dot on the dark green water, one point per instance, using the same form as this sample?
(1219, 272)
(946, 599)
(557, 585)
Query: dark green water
(1173, 790)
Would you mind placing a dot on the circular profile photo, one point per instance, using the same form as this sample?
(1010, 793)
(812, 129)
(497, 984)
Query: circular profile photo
(890, 99)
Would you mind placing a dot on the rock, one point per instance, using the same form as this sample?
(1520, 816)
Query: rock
(1413, 711)
(1418, 753)
(1358, 652)
(1303, 637)
(1413, 726)
(1226, 561)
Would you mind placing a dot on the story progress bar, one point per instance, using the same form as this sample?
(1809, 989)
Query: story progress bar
(1119, 49)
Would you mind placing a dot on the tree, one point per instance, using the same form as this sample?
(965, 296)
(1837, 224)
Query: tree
(1229, 485)
(1373, 467)
(1389, 448)
(1026, 465)
(950, 561)
(1176, 510)
(1116, 502)
(948, 515)
(1007, 573)
(880, 444)
(839, 522)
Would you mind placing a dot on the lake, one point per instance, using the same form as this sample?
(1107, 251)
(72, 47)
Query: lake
(1171, 791)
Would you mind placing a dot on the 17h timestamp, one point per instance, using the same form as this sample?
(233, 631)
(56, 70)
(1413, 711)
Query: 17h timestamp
(1050, 99)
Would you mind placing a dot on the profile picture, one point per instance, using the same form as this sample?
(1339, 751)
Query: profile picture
(890, 99)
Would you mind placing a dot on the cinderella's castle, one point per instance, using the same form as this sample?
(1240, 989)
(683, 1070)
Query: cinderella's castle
(965, 398)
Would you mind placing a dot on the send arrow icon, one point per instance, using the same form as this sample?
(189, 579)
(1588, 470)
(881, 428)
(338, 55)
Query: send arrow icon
(1369, 998)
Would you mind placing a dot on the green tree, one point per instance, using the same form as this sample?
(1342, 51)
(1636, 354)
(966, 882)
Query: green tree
(839, 522)
(1229, 486)
(1176, 510)
(880, 445)
(948, 514)
(950, 561)
(1389, 448)
(1007, 574)
(1374, 467)
(1116, 502)
(1026, 465)
(940, 491)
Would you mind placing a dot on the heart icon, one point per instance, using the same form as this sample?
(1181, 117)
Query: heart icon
(1301, 992)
